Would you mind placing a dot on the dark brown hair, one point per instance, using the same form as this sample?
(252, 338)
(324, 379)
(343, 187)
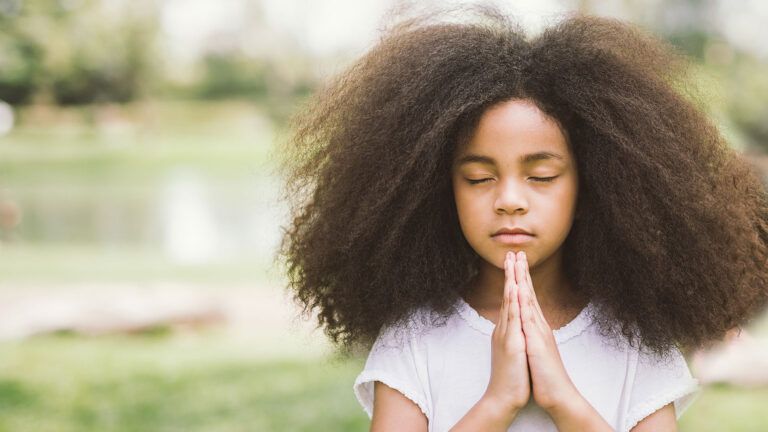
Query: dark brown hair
(670, 242)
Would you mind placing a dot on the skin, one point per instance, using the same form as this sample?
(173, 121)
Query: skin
(513, 194)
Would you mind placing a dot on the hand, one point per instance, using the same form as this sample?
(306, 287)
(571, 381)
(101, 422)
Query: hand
(552, 387)
(509, 383)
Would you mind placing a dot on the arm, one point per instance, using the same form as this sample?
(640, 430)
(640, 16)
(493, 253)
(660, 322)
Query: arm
(486, 415)
(393, 411)
(662, 420)
(578, 415)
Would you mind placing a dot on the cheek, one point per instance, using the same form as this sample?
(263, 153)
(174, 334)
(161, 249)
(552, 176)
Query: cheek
(469, 210)
(463, 206)
(560, 208)
(564, 199)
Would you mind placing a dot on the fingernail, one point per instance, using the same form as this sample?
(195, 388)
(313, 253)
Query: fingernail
(524, 257)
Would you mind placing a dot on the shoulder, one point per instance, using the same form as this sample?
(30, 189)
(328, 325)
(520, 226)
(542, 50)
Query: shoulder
(398, 359)
(659, 380)
(393, 410)
(624, 381)
(649, 375)
(407, 333)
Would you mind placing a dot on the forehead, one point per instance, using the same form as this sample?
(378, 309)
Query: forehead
(516, 131)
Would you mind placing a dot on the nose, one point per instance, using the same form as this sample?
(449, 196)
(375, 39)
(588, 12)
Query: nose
(511, 197)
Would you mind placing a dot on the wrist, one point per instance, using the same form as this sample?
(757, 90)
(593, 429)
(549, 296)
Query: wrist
(577, 414)
(569, 408)
(499, 408)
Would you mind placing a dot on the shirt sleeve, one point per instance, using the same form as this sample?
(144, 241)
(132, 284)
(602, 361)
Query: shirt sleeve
(396, 361)
(657, 382)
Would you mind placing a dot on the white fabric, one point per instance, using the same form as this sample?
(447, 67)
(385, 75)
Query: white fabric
(445, 370)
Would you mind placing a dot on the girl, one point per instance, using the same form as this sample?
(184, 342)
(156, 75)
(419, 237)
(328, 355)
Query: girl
(523, 233)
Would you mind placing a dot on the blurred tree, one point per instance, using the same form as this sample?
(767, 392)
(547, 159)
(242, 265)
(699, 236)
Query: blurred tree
(697, 27)
(249, 59)
(748, 100)
(231, 74)
(77, 51)
(20, 67)
(689, 24)
(20, 56)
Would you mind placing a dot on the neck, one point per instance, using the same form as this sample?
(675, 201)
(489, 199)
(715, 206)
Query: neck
(553, 290)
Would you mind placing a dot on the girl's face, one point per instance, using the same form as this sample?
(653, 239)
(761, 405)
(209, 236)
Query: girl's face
(517, 171)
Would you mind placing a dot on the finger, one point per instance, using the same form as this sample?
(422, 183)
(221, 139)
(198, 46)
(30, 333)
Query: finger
(519, 270)
(525, 298)
(515, 327)
(527, 309)
(529, 286)
(501, 323)
(513, 315)
(509, 284)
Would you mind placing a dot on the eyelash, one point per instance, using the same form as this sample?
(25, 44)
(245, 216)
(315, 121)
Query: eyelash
(538, 179)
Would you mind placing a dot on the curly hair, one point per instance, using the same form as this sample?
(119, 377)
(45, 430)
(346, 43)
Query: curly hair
(670, 242)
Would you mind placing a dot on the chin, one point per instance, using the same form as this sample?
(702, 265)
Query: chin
(530, 256)
(503, 256)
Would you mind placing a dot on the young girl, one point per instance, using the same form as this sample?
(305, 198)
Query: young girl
(525, 232)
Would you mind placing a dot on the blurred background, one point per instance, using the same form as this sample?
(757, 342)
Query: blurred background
(139, 213)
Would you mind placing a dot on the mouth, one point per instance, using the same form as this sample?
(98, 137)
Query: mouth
(512, 239)
(511, 230)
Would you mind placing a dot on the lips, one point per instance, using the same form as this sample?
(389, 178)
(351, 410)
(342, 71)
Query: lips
(513, 230)
(512, 236)
(513, 239)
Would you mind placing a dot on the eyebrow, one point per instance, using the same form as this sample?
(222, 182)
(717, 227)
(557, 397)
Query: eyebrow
(524, 159)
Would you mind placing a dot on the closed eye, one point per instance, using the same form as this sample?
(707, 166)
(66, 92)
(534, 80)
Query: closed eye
(544, 179)
(538, 179)
(477, 181)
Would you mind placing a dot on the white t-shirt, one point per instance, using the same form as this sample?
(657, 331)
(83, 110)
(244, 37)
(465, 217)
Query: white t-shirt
(445, 370)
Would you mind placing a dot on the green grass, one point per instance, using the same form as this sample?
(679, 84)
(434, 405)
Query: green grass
(206, 382)
(721, 408)
(145, 383)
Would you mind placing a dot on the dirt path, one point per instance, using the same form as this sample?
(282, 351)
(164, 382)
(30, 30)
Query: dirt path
(262, 316)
